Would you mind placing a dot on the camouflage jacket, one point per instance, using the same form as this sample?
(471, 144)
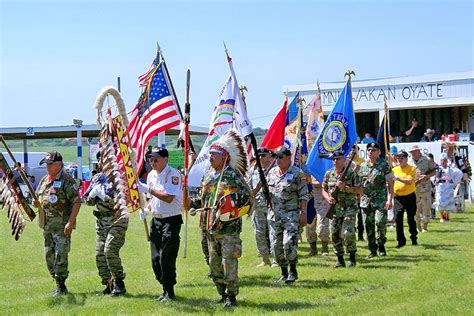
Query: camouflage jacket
(423, 166)
(346, 203)
(232, 182)
(288, 189)
(373, 180)
(57, 197)
(106, 206)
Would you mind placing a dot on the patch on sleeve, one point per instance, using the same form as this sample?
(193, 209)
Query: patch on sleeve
(175, 180)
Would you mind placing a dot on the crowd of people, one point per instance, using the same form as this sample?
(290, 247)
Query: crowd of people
(350, 199)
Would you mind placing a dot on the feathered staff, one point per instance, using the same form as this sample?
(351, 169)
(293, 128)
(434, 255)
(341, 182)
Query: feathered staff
(114, 133)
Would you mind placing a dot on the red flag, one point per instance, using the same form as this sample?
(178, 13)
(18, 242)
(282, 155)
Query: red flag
(275, 136)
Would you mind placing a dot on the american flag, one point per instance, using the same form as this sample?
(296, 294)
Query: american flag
(155, 112)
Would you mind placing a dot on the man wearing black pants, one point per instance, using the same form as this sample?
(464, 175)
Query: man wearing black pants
(405, 198)
(164, 188)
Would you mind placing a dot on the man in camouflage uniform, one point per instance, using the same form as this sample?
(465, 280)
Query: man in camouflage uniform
(320, 226)
(59, 197)
(377, 183)
(289, 193)
(110, 234)
(425, 169)
(260, 210)
(225, 246)
(345, 208)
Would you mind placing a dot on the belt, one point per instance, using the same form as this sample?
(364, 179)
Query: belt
(160, 216)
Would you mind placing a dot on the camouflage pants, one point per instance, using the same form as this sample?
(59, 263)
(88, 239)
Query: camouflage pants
(343, 234)
(423, 207)
(109, 239)
(284, 237)
(375, 218)
(224, 251)
(56, 248)
(322, 222)
(260, 226)
(205, 245)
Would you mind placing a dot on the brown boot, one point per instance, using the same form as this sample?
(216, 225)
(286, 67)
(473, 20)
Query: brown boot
(265, 261)
(324, 248)
(313, 249)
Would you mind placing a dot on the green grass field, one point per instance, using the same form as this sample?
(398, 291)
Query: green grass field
(434, 278)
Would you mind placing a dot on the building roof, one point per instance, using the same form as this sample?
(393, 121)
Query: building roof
(68, 131)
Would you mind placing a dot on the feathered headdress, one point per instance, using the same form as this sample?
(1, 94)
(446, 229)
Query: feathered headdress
(231, 144)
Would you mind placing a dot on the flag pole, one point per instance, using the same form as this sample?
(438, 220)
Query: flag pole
(187, 120)
(253, 140)
(174, 92)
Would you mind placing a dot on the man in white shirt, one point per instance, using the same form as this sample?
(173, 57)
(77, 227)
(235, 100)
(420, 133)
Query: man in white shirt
(164, 189)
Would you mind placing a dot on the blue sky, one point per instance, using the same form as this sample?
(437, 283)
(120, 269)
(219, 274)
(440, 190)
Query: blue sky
(57, 55)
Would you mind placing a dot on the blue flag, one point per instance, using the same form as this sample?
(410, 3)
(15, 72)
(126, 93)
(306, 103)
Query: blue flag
(338, 134)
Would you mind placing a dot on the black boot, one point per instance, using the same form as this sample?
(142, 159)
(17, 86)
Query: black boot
(313, 249)
(382, 251)
(168, 294)
(108, 288)
(230, 301)
(284, 274)
(340, 262)
(293, 276)
(352, 259)
(61, 288)
(119, 287)
(223, 299)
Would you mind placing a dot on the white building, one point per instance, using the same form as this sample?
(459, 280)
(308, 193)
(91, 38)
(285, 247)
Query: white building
(442, 102)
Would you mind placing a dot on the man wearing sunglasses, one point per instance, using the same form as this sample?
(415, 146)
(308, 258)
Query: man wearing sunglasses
(377, 183)
(260, 210)
(289, 193)
(345, 210)
(405, 198)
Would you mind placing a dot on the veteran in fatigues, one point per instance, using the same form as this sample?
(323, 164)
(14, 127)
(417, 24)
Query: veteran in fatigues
(319, 228)
(110, 228)
(224, 188)
(425, 169)
(260, 209)
(345, 208)
(289, 194)
(163, 186)
(377, 184)
(59, 198)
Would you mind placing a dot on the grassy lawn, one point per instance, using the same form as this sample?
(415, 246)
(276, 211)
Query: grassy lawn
(435, 277)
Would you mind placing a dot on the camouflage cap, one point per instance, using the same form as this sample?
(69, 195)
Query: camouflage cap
(52, 156)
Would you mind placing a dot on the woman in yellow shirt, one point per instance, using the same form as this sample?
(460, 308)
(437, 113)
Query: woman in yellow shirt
(405, 198)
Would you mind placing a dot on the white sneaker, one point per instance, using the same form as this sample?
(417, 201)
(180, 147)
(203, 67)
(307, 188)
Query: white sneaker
(441, 220)
(325, 254)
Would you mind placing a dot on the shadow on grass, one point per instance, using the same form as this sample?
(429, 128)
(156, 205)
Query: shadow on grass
(265, 281)
(206, 305)
(450, 231)
(448, 247)
(78, 299)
